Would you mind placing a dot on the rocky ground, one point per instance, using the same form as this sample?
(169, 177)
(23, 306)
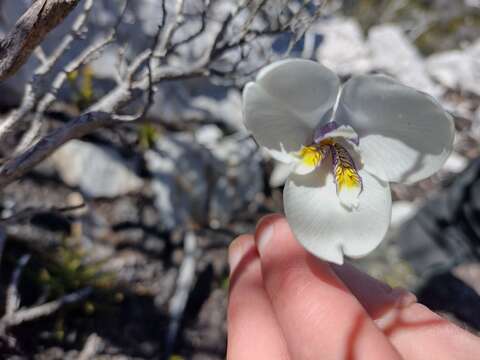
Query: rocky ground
(140, 216)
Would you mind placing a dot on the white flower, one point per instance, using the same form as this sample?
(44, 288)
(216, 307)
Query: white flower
(344, 146)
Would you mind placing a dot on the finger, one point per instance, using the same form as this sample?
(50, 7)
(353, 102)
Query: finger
(253, 331)
(406, 322)
(318, 315)
(419, 333)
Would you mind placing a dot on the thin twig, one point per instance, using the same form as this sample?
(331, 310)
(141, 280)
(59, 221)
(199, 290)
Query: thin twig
(91, 348)
(76, 128)
(186, 277)
(46, 309)
(148, 69)
(29, 212)
(3, 240)
(35, 88)
(13, 298)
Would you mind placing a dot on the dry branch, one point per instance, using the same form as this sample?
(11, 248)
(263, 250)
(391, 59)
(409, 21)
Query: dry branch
(13, 297)
(91, 348)
(76, 128)
(3, 239)
(185, 281)
(29, 31)
(147, 70)
(33, 313)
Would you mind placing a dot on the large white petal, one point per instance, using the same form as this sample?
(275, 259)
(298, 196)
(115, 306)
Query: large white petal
(328, 229)
(307, 87)
(272, 124)
(402, 130)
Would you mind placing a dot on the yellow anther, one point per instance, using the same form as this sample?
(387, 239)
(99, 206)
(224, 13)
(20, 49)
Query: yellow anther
(310, 155)
(346, 174)
(347, 177)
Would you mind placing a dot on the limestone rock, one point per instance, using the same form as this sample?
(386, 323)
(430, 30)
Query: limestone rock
(97, 171)
(392, 52)
(457, 69)
(343, 48)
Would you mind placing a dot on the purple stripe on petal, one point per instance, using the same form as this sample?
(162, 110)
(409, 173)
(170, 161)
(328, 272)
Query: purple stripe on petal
(355, 141)
(341, 161)
(323, 130)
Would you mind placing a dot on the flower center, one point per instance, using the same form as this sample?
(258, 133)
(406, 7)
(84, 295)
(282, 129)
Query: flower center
(345, 174)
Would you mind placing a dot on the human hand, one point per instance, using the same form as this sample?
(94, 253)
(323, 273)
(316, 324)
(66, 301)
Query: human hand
(286, 304)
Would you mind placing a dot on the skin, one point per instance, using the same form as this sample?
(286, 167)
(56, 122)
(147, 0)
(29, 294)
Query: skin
(286, 304)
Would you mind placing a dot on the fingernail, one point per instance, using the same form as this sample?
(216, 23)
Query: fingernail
(236, 251)
(264, 236)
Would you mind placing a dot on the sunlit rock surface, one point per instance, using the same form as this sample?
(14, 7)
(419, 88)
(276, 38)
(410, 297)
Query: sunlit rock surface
(457, 69)
(393, 53)
(241, 181)
(98, 171)
(343, 48)
(207, 183)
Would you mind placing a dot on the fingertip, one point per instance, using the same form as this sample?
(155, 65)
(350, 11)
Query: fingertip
(264, 231)
(237, 250)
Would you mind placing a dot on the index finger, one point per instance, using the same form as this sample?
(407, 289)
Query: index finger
(407, 323)
(319, 316)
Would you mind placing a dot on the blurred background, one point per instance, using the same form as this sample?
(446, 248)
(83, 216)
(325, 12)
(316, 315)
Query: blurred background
(115, 246)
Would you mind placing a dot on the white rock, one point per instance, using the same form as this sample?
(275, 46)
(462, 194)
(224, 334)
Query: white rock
(227, 109)
(401, 212)
(343, 48)
(457, 69)
(208, 135)
(392, 52)
(455, 163)
(472, 3)
(197, 101)
(241, 178)
(193, 183)
(97, 171)
(180, 179)
(448, 67)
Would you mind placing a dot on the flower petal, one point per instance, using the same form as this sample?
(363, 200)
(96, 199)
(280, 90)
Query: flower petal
(281, 156)
(302, 168)
(328, 229)
(307, 87)
(402, 130)
(272, 124)
(333, 130)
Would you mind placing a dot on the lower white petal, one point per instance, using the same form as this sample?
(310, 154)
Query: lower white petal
(328, 229)
(349, 196)
(303, 169)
